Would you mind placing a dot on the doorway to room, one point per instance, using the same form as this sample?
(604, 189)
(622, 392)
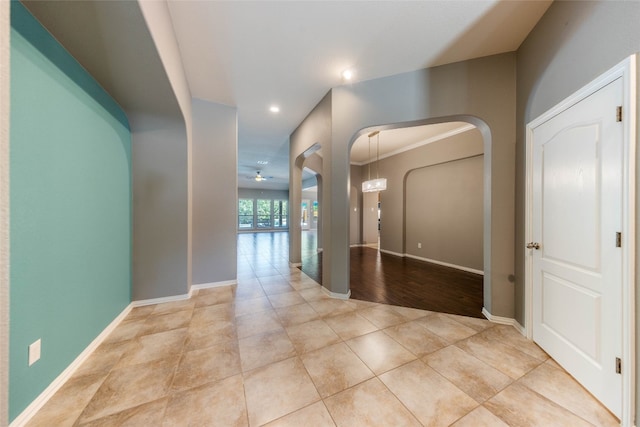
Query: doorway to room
(447, 279)
(419, 242)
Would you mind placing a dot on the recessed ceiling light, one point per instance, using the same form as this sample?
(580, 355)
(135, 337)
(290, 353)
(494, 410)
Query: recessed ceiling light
(274, 109)
(347, 74)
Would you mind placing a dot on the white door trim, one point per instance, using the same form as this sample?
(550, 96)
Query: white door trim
(627, 71)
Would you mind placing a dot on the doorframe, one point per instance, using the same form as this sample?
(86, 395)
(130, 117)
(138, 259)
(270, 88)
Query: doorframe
(627, 71)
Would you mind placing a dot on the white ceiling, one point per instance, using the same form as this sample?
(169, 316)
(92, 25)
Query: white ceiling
(390, 142)
(252, 54)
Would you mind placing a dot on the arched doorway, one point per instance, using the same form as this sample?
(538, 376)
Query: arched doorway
(310, 160)
(402, 232)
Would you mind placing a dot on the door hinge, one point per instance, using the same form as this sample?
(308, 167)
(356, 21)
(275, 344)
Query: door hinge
(618, 239)
(618, 365)
(619, 113)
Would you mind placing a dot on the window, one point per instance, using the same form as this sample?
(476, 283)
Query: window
(280, 213)
(245, 213)
(264, 213)
(315, 213)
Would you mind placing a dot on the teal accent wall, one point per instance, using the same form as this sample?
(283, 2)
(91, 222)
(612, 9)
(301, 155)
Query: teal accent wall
(70, 185)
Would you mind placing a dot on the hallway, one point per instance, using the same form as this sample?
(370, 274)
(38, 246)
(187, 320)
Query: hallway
(275, 350)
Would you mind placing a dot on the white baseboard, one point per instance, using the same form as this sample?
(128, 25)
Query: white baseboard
(433, 261)
(55, 385)
(384, 251)
(172, 298)
(212, 285)
(446, 264)
(519, 327)
(336, 295)
(143, 302)
(503, 321)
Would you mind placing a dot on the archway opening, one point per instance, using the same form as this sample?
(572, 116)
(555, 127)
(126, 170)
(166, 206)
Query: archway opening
(305, 195)
(435, 213)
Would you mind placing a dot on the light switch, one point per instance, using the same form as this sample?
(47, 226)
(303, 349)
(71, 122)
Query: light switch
(34, 352)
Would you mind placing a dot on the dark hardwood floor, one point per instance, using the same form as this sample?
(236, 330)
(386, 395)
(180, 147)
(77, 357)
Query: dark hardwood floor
(390, 279)
(374, 276)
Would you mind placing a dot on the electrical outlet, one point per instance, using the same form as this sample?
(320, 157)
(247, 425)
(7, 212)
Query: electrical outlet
(34, 352)
(419, 245)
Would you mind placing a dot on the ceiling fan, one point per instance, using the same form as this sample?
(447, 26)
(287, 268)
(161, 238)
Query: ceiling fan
(259, 178)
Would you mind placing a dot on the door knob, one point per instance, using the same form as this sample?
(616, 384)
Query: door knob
(533, 245)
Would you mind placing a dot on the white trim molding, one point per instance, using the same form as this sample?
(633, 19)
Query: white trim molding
(446, 264)
(627, 71)
(161, 300)
(503, 320)
(336, 295)
(55, 385)
(384, 251)
(182, 297)
(212, 285)
(433, 261)
(42, 399)
(448, 134)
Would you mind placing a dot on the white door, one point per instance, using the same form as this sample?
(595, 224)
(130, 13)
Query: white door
(577, 268)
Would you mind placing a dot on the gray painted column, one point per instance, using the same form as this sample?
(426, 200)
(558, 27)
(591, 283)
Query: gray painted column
(335, 252)
(215, 147)
(160, 207)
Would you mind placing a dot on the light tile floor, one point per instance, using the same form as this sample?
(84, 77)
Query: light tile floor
(274, 350)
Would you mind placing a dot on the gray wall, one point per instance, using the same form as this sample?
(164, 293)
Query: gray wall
(444, 212)
(429, 188)
(573, 43)
(215, 146)
(254, 193)
(160, 216)
(314, 129)
(480, 91)
(394, 232)
(158, 20)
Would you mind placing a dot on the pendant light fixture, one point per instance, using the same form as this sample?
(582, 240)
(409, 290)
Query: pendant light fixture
(378, 184)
